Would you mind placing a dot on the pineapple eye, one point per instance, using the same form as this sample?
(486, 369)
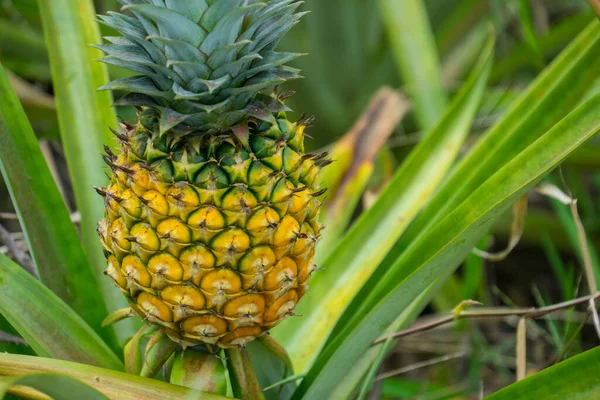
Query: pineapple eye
(184, 296)
(207, 217)
(239, 199)
(283, 274)
(235, 240)
(205, 325)
(250, 305)
(155, 307)
(221, 281)
(166, 265)
(212, 177)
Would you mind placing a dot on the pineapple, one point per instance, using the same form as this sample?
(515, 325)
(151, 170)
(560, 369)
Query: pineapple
(211, 214)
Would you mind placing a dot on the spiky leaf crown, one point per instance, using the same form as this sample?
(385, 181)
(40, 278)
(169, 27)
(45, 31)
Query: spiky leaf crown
(205, 65)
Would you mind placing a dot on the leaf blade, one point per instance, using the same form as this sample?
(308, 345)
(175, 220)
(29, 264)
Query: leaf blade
(85, 116)
(357, 256)
(54, 244)
(416, 57)
(548, 99)
(577, 376)
(113, 384)
(34, 311)
(59, 387)
(440, 249)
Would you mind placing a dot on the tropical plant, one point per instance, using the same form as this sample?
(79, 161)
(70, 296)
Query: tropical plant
(212, 214)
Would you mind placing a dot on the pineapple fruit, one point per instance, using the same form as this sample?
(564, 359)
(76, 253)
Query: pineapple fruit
(211, 214)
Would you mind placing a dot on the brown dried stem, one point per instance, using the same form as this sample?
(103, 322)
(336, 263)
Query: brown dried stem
(527, 313)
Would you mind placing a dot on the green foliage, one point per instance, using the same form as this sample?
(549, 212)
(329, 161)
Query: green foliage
(55, 248)
(84, 116)
(575, 378)
(33, 310)
(487, 122)
(59, 387)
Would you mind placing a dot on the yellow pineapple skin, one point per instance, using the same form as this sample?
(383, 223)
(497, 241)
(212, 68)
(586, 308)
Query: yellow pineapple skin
(216, 243)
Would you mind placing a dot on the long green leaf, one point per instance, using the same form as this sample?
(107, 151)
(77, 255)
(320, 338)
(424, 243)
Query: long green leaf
(55, 247)
(437, 251)
(551, 43)
(575, 378)
(85, 116)
(357, 255)
(416, 55)
(558, 89)
(113, 384)
(59, 387)
(50, 327)
(368, 365)
(547, 100)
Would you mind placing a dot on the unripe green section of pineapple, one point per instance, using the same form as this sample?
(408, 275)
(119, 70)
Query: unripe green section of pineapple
(211, 215)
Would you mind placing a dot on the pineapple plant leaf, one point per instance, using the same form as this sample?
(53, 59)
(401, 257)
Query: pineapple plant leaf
(549, 98)
(32, 309)
(346, 269)
(113, 384)
(211, 215)
(542, 103)
(199, 370)
(274, 369)
(57, 254)
(244, 383)
(437, 252)
(59, 387)
(84, 117)
(416, 57)
(560, 381)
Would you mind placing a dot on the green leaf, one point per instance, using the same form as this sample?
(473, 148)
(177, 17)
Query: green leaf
(357, 255)
(437, 251)
(528, 33)
(272, 366)
(171, 24)
(17, 346)
(559, 36)
(158, 351)
(241, 372)
(132, 350)
(575, 378)
(85, 116)
(199, 370)
(59, 387)
(113, 384)
(416, 55)
(548, 99)
(50, 327)
(54, 244)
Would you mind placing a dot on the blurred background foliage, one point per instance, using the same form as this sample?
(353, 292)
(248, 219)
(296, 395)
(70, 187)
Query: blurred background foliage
(354, 47)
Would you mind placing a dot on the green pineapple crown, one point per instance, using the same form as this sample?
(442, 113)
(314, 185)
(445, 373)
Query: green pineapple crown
(205, 65)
